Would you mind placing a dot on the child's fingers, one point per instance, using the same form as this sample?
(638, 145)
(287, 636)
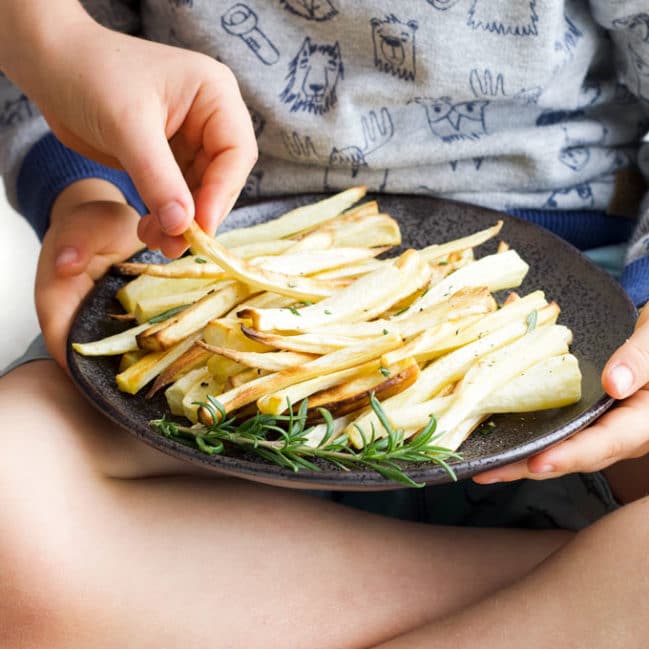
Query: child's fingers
(147, 157)
(628, 369)
(149, 231)
(620, 434)
(229, 151)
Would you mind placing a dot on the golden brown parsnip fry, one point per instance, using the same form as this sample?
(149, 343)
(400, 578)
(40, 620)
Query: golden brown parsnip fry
(295, 221)
(313, 241)
(277, 402)
(271, 361)
(368, 208)
(194, 357)
(301, 288)
(327, 364)
(373, 230)
(198, 268)
(246, 376)
(165, 334)
(497, 272)
(263, 300)
(134, 378)
(129, 358)
(355, 395)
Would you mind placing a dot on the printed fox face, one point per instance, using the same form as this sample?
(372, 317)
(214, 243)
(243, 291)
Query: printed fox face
(394, 46)
(311, 9)
(312, 78)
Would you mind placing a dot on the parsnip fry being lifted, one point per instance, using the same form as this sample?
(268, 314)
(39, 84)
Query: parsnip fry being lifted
(301, 288)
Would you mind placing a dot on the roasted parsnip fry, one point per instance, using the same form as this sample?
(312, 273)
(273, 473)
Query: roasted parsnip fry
(295, 221)
(309, 262)
(165, 334)
(301, 288)
(440, 251)
(129, 358)
(125, 341)
(447, 336)
(352, 270)
(176, 393)
(150, 307)
(196, 267)
(277, 402)
(245, 376)
(449, 369)
(149, 287)
(499, 367)
(499, 271)
(313, 241)
(365, 298)
(327, 364)
(308, 343)
(271, 361)
(198, 394)
(370, 231)
(551, 383)
(148, 367)
(194, 357)
(263, 300)
(355, 395)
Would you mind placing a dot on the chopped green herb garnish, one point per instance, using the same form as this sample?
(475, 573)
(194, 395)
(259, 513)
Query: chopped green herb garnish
(327, 312)
(442, 263)
(293, 310)
(531, 320)
(291, 284)
(306, 302)
(200, 260)
(385, 332)
(400, 311)
(385, 371)
(165, 315)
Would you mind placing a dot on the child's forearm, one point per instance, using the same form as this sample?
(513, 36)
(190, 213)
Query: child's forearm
(31, 31)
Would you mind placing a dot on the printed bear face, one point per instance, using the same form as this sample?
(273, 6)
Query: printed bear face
(394, 46)
(312, 78)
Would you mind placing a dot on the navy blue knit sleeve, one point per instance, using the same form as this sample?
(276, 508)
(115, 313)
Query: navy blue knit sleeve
(49, 167)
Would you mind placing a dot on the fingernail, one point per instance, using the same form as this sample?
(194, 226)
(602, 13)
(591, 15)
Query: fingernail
(172, 217)
(546, 468)
(67, 256)
(490, 481)
(622, 378)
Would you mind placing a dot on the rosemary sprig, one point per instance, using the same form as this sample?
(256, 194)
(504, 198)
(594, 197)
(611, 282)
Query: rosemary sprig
(282, 440)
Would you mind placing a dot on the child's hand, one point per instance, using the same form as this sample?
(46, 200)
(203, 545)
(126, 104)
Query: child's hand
(91, 228)
(622, 433)
(173, 119)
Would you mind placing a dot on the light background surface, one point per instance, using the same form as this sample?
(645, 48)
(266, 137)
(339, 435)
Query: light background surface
(18, 255)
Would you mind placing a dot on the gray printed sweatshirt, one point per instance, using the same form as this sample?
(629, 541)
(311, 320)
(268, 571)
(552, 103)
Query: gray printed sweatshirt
(535, 107)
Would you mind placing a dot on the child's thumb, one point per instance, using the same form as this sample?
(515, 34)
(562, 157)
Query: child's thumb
(628, 369)
(147, 158)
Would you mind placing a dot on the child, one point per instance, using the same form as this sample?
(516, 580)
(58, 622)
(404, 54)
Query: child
(519, 102)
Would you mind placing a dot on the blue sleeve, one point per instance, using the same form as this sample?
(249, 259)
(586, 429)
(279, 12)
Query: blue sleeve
(48, 168)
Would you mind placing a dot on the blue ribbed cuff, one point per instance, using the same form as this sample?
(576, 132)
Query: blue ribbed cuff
(584, 229)
(49, 168)
(635, 279)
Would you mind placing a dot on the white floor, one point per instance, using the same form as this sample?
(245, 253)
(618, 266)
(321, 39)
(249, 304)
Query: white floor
(18, 255)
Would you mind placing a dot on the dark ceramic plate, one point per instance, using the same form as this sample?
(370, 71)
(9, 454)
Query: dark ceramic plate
(593, 306)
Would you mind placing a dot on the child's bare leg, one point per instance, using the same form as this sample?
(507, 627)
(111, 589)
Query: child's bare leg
(92, 561)
(592, 593)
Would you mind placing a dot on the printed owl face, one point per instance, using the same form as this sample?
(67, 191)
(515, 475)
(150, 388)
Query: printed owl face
(452, 122)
